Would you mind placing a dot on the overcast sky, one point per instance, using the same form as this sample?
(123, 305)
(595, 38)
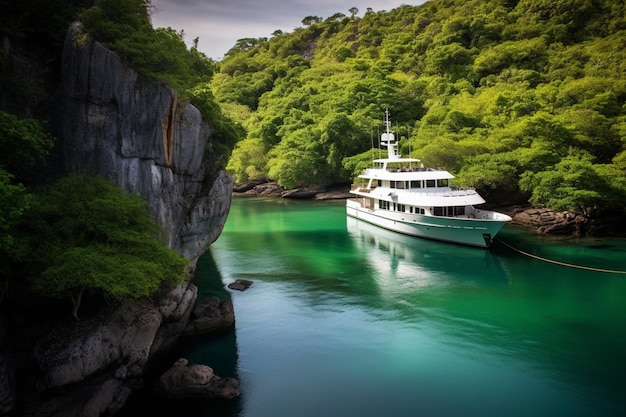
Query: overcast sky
(220, 23)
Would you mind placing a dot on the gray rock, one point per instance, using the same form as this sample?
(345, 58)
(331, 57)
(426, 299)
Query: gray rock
(195, 381)
(544, 220)
(123, 337)
(211, 315)
(111, 123)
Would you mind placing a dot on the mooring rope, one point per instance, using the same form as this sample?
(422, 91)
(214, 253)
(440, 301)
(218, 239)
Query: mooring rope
(588, 268)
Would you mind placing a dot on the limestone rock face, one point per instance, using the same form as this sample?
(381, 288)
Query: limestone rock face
(111, 123)
(103, 358)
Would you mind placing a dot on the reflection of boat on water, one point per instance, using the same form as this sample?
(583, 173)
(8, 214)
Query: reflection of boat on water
(399, 259)
(399, 194)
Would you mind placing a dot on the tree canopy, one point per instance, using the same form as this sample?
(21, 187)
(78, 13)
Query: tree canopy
(501, 93)
(86, 234)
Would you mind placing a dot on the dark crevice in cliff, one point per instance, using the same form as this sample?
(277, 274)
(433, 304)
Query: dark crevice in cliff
(168, 125)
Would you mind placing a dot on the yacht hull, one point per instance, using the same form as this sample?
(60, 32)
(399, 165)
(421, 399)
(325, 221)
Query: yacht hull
(465, 231)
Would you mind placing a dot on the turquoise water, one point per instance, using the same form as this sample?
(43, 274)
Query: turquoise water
(345, 319)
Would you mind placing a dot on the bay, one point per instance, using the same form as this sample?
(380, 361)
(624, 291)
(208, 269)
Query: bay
(347, 319)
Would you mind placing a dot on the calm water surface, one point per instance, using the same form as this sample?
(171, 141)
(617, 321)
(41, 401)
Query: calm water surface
(346, 319)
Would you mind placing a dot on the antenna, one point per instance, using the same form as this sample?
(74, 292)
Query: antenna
(408, 138)
(372, 149)
(388, 138)
(379, 144)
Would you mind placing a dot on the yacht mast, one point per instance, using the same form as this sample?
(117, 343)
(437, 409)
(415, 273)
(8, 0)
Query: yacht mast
(388, 139)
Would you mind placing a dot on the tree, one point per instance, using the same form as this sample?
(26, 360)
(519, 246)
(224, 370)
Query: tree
(88, 236)
(12, 205)
(353, 11)
(247, 161)
(14, 201)
(573, 184)
(157, 54)
(311, 20)
(23, 144)
(295, 161)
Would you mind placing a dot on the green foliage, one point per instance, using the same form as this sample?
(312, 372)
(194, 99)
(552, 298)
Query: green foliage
(355, 165)
(161, 55)
(295, 162)
(227, 132)
(14, 201)
(248, 161)
(495, 91)
(23, 144)
(576, 183)
(87, 235)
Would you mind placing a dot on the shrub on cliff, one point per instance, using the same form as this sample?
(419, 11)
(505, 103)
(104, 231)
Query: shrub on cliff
(24, 143)
(158, 54)
(88, 237)
(161, 55)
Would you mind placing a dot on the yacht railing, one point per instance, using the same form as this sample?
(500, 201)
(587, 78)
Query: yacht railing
(455, 192)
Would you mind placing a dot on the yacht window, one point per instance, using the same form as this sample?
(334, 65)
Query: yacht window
(416, 184)
(401, 208)
(430, 183)
(438, 211)
(442, 183)
(459, 211)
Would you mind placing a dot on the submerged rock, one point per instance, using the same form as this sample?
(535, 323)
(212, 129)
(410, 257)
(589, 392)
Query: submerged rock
(195, 381)
(240, 284)
(211, 315)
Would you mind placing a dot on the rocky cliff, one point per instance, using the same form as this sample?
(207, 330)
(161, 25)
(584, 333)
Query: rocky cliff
(110, 122)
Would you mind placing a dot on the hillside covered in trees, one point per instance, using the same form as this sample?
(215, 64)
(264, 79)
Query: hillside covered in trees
(522, 97)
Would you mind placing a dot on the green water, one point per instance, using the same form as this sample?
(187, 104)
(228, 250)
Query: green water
(345, 319)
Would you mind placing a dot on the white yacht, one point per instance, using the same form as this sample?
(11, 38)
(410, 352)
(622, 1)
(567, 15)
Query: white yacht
(399, 194)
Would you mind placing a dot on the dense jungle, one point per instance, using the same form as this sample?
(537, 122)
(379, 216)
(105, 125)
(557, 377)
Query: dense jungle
(517, 98)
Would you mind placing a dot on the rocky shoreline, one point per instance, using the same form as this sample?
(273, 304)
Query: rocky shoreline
(272, 189)
(538, 219)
